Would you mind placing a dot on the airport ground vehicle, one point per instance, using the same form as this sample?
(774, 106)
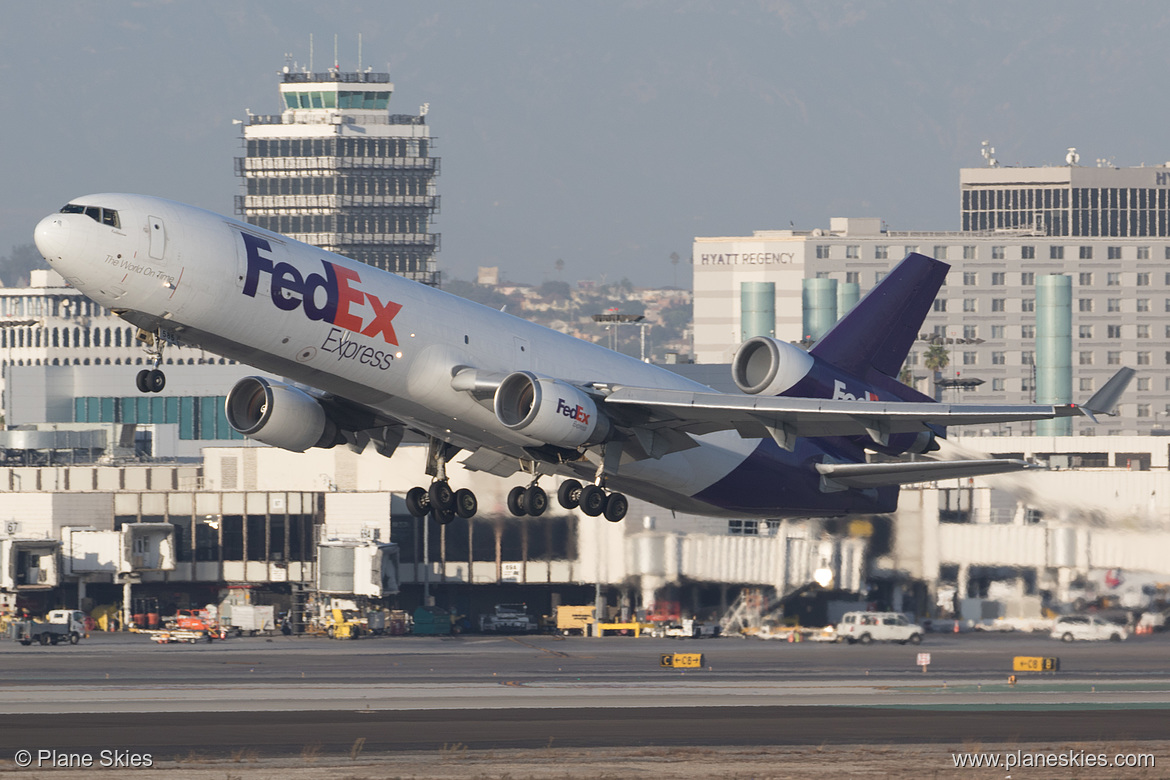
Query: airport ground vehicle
(574, 619)
(688, 628)
(508, 619)
(61, 625)
(251, 619)
(866, 627)
(1090, 627)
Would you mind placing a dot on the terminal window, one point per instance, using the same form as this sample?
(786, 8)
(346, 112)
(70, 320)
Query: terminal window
(197, 418)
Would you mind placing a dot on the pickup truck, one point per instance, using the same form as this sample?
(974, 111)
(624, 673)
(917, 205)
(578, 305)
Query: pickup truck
(61, 625)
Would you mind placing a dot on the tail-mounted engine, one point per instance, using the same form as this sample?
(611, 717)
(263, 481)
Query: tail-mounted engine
(279, 414)
(765, 366)
(550, 411)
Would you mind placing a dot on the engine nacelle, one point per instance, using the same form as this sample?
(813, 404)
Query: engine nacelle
(765, 366)
(279, 414)
(550, 411)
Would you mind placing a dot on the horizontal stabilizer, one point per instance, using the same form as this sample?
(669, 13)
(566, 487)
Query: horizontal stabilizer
(872, 475)
(1104, 401)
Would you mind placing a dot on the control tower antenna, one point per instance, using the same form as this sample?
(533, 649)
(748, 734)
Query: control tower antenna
(335, 51)
(310, 52)
(359, 70)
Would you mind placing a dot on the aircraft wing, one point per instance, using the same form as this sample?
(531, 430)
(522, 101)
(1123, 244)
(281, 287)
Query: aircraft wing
(839, 476)
(786, 419)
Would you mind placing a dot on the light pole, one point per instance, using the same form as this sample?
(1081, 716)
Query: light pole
(613, 319)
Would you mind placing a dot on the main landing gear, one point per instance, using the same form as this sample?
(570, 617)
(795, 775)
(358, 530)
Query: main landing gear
(439, 499)
(593, 500)
(151, 380)
(531, 500)
(444, 503)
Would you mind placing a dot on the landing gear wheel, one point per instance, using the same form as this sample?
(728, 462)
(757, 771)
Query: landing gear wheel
(535, 501)
(156, 380)
(443, 516)
(441, 496)
(140, 381)
(466, 504)
(418, 502)
(569, 494)
(516, 501)
(592, 500)
(616, 507)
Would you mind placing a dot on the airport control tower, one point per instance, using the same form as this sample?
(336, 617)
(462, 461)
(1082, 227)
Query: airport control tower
(337, 170)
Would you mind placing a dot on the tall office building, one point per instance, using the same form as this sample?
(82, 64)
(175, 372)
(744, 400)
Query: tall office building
(1067, 200)
(335, 169)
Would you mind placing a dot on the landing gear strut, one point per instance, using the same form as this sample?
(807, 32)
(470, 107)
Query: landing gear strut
(439, 499)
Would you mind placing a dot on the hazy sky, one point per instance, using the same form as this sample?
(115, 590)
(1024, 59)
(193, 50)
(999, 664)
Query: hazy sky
(607, 134)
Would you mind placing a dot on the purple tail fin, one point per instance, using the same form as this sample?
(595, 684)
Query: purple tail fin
(878, 333)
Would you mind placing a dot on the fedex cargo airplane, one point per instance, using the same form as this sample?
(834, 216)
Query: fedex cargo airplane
(368, 355)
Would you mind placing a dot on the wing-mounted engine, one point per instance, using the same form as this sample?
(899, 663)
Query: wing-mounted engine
(550, 411)
(281, 415)
(765, 366)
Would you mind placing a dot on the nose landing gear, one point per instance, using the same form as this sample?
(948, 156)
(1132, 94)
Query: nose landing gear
(151, 380)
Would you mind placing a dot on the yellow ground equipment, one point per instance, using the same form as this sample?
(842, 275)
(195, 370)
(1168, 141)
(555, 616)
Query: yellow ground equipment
(574, 620)
(342, 627)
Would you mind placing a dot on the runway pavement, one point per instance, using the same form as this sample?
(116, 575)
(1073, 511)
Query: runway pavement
(398, 693)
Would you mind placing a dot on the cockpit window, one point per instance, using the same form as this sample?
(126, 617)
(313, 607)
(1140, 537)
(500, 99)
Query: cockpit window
(96, 213)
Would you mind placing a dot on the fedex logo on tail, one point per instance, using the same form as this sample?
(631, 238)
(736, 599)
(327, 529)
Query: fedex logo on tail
(341, 287)
(839, 393)
(577, 413)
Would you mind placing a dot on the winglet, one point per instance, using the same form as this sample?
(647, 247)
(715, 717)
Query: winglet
(1104, 401)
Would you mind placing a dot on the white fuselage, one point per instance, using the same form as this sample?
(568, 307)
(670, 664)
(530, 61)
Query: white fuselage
(346, 328)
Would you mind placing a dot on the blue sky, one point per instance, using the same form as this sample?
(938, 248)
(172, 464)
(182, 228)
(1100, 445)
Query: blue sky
(607, 134)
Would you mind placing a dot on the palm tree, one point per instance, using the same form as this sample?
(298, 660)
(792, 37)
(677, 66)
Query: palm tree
(937, 358)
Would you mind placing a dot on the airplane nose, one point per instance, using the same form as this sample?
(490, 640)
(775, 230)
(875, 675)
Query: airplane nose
(52, 237)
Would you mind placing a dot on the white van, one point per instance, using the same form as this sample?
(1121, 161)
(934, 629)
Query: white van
(866, 627)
